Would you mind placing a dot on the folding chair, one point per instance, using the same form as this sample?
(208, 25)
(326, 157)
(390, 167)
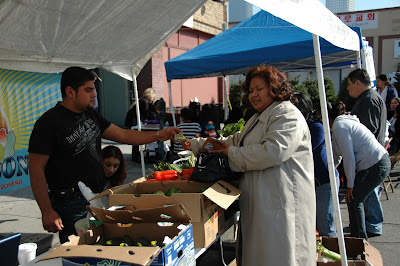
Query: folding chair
(388, 181)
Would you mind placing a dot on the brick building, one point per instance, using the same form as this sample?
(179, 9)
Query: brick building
(204, 24)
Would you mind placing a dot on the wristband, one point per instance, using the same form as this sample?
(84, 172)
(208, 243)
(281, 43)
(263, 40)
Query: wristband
(158, 135)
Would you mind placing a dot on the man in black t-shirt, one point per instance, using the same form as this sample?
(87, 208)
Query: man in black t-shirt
(65, 148)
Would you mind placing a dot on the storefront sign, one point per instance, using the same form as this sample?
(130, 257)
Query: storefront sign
(396, 51)
(24, 97)
(365, 21)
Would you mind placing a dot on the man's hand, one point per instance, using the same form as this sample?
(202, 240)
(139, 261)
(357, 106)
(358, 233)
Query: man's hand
(52, 221)
(349, 195)
(168, 133)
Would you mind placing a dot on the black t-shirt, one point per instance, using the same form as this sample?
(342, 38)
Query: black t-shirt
(73, 142)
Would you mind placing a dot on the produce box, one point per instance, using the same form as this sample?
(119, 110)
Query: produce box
(151, 224)
(205, 203)
(359, 252)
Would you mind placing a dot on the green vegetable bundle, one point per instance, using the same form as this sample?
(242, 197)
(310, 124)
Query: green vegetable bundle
(231, 129)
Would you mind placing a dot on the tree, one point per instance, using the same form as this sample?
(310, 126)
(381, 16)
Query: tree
(235, 93)
(310, 87)
(344, 95)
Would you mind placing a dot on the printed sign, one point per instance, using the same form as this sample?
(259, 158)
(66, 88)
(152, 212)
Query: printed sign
(365, 21)
(24, 97)
(396, 51)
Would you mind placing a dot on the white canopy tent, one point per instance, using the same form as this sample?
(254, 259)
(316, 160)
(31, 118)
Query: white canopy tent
(119, 35)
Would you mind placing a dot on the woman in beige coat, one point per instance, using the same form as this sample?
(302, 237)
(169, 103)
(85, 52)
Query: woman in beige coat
(277, 207)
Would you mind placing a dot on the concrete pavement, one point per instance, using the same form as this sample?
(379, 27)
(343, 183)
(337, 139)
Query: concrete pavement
(19, 213)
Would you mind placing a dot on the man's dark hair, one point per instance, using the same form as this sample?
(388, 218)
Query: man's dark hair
(187, 114)
(361, 75)
(75, 77)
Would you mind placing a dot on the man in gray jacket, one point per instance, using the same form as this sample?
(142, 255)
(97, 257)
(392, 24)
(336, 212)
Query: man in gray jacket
(371, 110)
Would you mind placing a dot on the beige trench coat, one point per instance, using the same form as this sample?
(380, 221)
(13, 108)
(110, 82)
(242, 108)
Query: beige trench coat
(277, 207)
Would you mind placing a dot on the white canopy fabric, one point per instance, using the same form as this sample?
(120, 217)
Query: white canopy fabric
(314, 17)
(118, 35)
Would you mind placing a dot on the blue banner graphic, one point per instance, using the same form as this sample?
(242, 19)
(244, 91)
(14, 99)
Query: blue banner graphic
(24, 97)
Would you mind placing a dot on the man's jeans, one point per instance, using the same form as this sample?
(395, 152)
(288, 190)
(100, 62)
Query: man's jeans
(373, 213)
(70, 211)
(365, 183)
(325, 210)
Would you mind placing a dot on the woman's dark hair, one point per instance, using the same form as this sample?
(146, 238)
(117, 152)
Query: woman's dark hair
(304, 103)
(385, 79)
(119, 176)
(335, 109)
(275, 80)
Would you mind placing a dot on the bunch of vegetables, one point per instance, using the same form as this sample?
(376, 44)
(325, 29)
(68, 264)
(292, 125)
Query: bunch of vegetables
(168, 172)
(231, 129)
(324, 252)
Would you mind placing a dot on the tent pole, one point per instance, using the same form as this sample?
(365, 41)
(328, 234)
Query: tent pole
(135, 90)
(171, 104)
(226, 113)
(329, 153)
(358, 59)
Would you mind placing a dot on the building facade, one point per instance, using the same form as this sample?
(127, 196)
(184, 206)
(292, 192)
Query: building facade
(204, 24)
(381, 27)
(337, 6)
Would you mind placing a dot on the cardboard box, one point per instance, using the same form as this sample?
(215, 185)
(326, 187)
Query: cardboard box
(359, 252)
(205, 209)
(136, 224)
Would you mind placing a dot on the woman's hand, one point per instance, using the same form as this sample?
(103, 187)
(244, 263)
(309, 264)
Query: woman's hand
(349, 194)
(224, 148)
(187, 145)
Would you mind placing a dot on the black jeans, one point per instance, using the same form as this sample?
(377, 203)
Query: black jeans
(70, 209)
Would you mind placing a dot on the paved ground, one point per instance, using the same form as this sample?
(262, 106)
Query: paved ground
(20, 213)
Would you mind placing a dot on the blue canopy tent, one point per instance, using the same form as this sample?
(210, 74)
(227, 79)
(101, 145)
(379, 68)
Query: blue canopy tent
(260, 39)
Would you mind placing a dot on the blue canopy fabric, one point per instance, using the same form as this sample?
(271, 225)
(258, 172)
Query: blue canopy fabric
(260, 39)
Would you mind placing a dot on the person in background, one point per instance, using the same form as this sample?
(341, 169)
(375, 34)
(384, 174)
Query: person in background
(144, 108)
(209, 121)
(365, 161)
(386, 90)
(370, 109)
(195, 107)
(189, 128)
(394, 131)
(145, 114)
(277, 207)
(324, 203)
(393, 104)
(114, 166)
(65, 148)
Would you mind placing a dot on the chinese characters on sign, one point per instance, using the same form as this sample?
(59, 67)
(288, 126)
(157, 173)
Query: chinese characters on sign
(365, 21)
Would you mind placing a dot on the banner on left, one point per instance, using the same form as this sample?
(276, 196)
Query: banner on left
(24, 97)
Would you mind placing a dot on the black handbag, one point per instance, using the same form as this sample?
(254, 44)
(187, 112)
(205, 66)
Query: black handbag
(211, 167)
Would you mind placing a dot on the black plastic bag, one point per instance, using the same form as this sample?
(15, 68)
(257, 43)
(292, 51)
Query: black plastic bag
(211, 167)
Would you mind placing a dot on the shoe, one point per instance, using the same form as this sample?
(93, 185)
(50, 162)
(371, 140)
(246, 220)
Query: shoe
(369, 234)
(380, 191)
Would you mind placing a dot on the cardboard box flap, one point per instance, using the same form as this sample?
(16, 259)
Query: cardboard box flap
(111, 190)
(175, 213)
(134, 255)
(222, 193)
(372, 255)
